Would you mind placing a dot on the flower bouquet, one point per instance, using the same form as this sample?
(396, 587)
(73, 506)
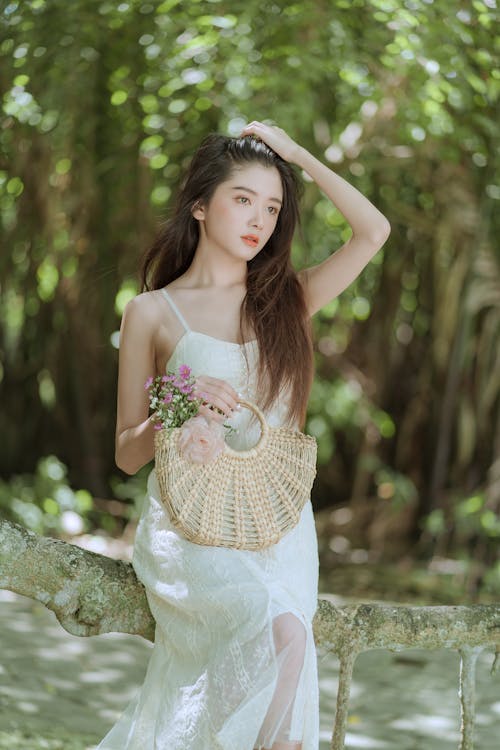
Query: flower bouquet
(174, 405)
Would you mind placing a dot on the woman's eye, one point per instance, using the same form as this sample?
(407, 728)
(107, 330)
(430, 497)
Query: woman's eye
(243, 200)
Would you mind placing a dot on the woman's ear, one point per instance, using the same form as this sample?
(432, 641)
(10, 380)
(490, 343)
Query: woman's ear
(198, 211)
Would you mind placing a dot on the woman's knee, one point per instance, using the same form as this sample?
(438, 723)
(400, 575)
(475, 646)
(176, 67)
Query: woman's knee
(288, 631)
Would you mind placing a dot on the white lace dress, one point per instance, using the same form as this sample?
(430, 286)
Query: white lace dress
(234, 663)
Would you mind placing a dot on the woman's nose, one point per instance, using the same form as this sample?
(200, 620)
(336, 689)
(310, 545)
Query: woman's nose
(258, 218)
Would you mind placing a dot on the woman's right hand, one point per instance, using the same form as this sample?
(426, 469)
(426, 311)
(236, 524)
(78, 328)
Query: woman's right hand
(220, 400)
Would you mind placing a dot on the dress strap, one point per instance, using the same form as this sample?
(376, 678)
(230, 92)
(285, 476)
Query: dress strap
(175, 309)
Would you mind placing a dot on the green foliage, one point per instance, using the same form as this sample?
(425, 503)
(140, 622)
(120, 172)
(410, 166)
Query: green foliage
(102, 108)
(471, 528)
(470, 516)
(395, 487)
(132, 490)
(491, 580)
(44, 502)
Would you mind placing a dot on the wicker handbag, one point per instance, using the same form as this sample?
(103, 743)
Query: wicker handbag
(241, 499)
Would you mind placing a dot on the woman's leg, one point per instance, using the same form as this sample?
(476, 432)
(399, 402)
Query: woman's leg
(290, 643)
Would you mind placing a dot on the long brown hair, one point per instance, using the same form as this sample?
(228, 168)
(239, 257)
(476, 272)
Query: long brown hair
(274, 305)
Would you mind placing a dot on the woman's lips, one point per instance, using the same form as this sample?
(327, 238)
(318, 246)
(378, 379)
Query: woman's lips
(250, 239)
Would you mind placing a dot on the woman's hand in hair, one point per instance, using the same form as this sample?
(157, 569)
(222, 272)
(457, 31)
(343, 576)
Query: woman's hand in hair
(220, 398)
(275, 138)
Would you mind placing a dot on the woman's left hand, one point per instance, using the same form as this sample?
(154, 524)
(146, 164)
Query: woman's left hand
(275, 138)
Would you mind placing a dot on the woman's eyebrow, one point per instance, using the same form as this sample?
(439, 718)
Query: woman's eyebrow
(249, 190)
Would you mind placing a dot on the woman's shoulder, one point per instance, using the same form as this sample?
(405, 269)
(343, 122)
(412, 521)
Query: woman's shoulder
(145, 305)
(142, 317)
(149, 316)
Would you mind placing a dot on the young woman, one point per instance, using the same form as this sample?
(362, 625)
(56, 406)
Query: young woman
(234, 663)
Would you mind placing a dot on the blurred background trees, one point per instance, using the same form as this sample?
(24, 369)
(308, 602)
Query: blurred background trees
(103, 103)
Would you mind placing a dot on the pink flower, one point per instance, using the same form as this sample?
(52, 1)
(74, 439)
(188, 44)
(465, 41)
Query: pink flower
(148, 383)
(158, 426)
(185, 389)
(184, 371)
(168, 398)
(201, 441)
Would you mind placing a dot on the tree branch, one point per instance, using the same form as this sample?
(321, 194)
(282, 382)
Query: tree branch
(93, 594)
(89, 593)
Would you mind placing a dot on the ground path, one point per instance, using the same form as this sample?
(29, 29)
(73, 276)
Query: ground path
(62, 692)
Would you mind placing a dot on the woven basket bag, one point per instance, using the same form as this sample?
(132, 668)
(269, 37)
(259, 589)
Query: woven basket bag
(241, 499)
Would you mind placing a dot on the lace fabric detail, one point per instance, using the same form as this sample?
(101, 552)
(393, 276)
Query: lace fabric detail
(233, 666)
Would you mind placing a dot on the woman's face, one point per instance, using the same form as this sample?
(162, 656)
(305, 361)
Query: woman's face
(243, 211)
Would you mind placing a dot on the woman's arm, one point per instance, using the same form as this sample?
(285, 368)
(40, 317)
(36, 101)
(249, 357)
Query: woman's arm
(370, 228)
(134, 439)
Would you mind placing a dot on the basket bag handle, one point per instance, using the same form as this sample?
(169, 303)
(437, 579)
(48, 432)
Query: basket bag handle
(264, 434)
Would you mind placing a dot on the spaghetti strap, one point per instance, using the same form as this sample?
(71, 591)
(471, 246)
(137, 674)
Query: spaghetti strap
(176, 309)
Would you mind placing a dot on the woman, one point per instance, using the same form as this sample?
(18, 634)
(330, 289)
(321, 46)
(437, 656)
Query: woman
(234, 663)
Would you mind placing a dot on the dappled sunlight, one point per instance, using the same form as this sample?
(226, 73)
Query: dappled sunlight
(53, 680)
(55, 684)
(407, 700)
(437, 727)
(353, 740)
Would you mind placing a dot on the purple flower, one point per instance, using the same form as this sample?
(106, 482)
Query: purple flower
(185, 389)
(184, 371)
(157, 427)
(148, 383)
(165, 379)
(168, 398)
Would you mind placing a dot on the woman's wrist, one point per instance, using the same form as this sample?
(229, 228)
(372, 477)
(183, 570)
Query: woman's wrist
(151, 420)
(300, 156)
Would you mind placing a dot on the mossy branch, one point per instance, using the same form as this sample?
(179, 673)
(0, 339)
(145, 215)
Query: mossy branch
(93, 594)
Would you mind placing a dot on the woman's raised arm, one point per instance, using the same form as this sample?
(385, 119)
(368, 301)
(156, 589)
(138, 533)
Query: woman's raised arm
(370, 228)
